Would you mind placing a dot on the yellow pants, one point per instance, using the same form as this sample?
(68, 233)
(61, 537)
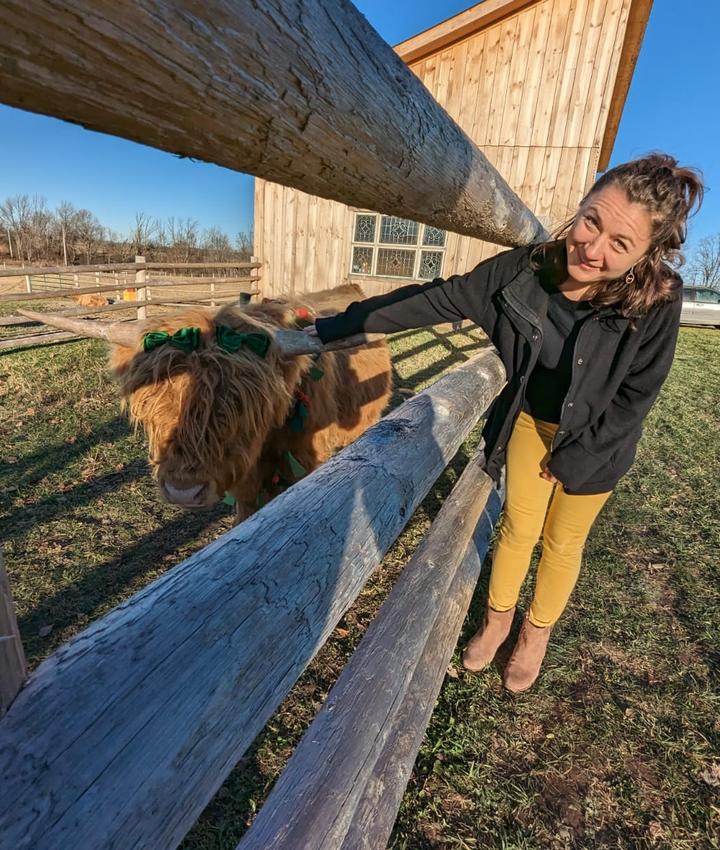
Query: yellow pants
(564, 527)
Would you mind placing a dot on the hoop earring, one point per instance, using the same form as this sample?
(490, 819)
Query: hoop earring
(630, 276)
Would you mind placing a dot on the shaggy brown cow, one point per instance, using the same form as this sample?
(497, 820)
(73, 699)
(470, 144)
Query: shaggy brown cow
(222, 416)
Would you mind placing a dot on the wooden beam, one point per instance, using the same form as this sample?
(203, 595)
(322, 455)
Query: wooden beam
(359, 738)
(37, 270)
(13, 667)
(461, 26)
(305, 94)
(17, 342)
(122, 737)
(117, 267)
(69, 292)
(242, 265)
(634, 32)
(9, 321)
(377, 807)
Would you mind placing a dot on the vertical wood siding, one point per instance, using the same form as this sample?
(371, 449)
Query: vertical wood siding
(533, 91)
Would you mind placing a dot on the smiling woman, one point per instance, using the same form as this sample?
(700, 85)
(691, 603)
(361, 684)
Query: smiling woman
(586, 326)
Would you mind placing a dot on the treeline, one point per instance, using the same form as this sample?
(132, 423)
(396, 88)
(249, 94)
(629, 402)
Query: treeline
(32, 233)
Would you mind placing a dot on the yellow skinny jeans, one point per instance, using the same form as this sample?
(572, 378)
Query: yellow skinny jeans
(564, 527)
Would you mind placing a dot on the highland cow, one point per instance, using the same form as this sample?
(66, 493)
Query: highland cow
(228, 412)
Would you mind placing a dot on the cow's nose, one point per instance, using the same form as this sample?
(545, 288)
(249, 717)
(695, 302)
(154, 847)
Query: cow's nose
(187, 497)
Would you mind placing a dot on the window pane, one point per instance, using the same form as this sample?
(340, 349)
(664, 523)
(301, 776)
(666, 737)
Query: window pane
(395, 263)
(430, 264)
(433, 236)
(365, 228)
(398, 231)
(707, 295)
(362, 261)
(688, 294)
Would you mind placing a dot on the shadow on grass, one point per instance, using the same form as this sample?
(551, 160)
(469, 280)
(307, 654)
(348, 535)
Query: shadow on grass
(101, 585)
(52, 458)
(23, 519)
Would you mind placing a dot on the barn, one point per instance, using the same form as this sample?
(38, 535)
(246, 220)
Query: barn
(538, 85)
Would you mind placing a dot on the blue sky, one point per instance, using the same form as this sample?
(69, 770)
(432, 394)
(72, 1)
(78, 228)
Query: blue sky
(672, 106)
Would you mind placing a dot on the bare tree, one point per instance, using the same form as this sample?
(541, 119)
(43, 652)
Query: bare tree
(244, 244)
(66, 218)
(90, 234)
(142, 232)
(182, 237)
(15, 214)
(703, 268)
(217, 245)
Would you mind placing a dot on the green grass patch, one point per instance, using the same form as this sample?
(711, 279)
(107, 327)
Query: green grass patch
(617, 744)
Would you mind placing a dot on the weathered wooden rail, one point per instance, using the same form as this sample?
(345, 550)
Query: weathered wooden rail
(364, 740)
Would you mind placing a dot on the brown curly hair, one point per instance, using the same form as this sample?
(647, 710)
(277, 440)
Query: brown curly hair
(670, 193)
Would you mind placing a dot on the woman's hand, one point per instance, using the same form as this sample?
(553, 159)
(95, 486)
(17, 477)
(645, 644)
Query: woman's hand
(547, 475)
(310, 330)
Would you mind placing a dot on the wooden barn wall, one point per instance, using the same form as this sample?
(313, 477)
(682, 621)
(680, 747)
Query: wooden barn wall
(533, 91)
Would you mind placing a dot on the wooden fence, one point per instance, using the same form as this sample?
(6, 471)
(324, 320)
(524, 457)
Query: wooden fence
(130, 286)
(121, 737)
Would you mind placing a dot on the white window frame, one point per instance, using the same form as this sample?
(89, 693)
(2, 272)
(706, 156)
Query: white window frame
(376, 244)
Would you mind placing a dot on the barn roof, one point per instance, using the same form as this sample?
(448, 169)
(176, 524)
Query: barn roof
(482, 15)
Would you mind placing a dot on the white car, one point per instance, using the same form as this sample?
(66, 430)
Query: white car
(701, 306)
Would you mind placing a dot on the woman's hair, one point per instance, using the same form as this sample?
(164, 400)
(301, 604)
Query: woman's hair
(669, 193)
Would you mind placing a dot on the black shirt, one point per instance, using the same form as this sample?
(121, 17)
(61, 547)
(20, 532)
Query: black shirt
(549, 381)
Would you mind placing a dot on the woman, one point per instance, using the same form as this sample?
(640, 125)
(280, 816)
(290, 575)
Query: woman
(586, 326)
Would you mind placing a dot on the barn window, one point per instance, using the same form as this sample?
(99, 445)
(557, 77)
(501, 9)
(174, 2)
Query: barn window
(388, 246)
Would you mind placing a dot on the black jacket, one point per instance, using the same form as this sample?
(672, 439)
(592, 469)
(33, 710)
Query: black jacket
(617, 371)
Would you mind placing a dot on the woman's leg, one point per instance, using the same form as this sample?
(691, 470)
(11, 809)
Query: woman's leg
(526, 504)
(566, 529)
(526, 501)
(567, 526)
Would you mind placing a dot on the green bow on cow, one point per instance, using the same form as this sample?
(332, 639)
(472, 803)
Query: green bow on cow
(188, 339)
(231, 340)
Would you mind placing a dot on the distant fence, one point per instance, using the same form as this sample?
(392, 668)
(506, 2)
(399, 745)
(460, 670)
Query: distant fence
(130, 286)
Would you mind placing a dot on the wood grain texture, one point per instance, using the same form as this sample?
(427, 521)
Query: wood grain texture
(382, 696)
(377, 807)
(301, 92)
(13, 667)
(121, 737)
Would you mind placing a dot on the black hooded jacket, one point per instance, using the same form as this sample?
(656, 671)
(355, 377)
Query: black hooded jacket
(616, 375)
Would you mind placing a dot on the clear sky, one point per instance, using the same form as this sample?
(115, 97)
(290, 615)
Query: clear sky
(672, 106)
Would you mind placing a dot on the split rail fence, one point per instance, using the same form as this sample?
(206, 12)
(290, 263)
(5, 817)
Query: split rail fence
(121, 738)
(131, 287)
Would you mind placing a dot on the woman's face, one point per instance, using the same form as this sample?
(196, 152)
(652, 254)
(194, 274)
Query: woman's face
(610, 234)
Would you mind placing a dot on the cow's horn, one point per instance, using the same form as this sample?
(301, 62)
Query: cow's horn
(292, 343)
(121, 333)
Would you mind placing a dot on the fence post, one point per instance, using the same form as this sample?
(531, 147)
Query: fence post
(140, 280)
(256, 273)
(28, 283)
(13, 667)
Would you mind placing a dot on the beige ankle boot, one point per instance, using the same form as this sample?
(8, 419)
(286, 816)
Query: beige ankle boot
(527, 658)
(482, 647)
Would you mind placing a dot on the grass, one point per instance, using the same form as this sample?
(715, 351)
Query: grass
(617, 744)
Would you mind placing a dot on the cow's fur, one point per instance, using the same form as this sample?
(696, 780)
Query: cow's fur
(221, 419)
